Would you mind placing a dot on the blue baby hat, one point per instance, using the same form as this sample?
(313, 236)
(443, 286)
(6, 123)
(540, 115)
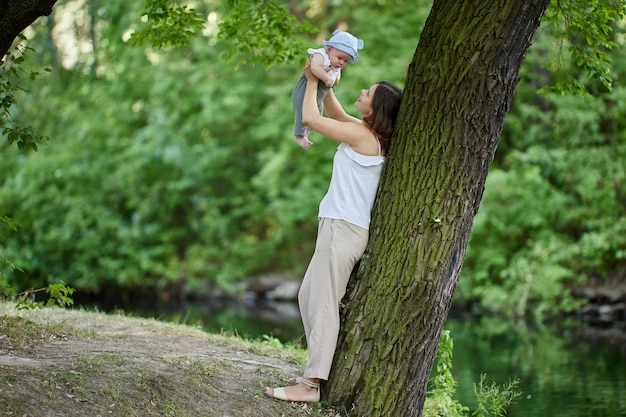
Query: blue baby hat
(345, 42)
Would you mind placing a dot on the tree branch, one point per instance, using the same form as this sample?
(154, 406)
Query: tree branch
(17, 15)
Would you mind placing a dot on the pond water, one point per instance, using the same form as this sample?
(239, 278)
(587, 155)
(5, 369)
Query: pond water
(573, 371)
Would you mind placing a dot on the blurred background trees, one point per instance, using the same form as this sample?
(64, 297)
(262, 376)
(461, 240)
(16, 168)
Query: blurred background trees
(174, 168)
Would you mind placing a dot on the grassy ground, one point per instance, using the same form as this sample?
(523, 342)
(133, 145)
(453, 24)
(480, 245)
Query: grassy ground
(56, 362)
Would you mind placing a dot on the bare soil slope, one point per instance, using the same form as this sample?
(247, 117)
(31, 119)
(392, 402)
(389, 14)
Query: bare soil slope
(55, 362)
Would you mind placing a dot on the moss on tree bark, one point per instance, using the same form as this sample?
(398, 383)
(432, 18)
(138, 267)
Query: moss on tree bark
(458, 91)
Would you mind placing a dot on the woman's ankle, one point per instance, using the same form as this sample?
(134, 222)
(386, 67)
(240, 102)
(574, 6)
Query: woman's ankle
(310, 383)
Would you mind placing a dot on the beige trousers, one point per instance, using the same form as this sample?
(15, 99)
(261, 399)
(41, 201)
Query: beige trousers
(339, 246)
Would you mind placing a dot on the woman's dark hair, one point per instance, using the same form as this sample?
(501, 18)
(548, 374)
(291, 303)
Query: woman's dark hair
(385, 108)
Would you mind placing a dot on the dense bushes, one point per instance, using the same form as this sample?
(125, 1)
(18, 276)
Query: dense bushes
(173, 167)
(554, 209)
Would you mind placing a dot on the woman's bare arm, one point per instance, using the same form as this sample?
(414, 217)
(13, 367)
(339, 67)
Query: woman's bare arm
(345, 130)
(334, 110)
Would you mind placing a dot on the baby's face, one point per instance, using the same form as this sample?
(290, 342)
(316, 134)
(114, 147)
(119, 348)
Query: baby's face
(338, 59)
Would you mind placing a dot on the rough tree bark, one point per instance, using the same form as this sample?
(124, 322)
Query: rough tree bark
(458, 91)
(17, 15)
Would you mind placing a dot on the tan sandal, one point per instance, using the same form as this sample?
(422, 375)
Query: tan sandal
(279, 393)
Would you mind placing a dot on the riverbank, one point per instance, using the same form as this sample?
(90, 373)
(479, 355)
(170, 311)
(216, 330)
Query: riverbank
(56, 362)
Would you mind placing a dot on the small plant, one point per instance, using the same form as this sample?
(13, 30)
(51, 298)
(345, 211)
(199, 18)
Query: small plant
(493, 400)
(440, 401)
(58, 293)
(295, 353)
(272, 341)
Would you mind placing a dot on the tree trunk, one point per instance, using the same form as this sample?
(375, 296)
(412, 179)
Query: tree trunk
(17, 15)
(458, 91)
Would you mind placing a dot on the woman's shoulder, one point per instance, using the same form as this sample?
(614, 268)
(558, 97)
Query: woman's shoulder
(356, 134)
(361, 159)
(367, 144)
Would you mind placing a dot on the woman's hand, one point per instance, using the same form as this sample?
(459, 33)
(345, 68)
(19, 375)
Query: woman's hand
(308, 73)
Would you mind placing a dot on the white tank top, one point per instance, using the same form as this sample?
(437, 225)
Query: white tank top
(353, 186)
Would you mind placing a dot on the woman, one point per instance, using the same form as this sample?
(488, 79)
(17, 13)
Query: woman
(344, 218)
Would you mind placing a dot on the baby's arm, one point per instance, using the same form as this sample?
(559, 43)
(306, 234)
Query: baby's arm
(317, 67)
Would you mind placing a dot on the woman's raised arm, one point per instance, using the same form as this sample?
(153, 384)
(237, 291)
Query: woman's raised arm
(344, 130)
(334, 110)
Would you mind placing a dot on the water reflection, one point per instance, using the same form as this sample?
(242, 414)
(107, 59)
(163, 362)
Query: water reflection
(560, 376)
(562, 372)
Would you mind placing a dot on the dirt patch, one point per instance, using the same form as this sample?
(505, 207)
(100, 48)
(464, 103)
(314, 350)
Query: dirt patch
(55, 362)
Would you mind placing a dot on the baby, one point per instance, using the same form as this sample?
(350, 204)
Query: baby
(326, 64)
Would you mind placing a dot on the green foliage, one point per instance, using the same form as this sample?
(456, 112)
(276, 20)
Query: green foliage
(296, 353)
(9, 223)
(553, 210)
(12, 77)
(493, 400)
(440, 401)
(170, 24)
(272, 341)
(513, 349)
(175, 168)
(152, 178)
(519, 258)
(57, 294)
(263, 31)
(6, 266)
(586, 29)
(170, 168)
